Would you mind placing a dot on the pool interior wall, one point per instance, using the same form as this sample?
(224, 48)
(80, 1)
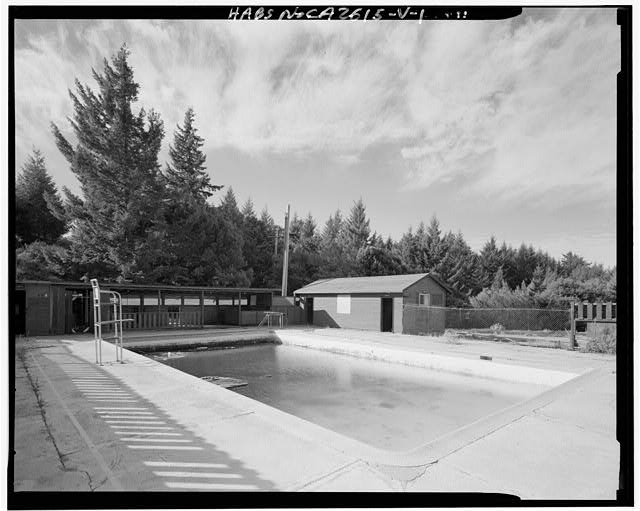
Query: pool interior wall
(390, 406)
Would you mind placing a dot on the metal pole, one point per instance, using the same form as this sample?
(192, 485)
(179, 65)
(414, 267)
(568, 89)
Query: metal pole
(285, 258)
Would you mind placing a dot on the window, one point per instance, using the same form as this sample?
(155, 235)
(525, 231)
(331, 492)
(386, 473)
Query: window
(344, 304)
(431, 299)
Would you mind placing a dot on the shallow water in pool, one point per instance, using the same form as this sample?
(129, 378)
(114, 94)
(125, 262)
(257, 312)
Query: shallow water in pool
(390, 406)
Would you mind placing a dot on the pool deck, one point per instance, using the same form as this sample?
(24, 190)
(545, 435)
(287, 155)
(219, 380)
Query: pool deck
(198, 436)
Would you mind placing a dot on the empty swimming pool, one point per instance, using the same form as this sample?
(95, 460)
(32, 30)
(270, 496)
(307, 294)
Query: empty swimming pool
(386, 405)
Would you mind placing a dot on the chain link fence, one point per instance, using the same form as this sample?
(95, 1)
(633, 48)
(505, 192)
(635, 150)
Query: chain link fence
(552, 324)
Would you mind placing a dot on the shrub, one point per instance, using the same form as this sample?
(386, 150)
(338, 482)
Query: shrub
(602, 341)
(451, 336)
(497, 328)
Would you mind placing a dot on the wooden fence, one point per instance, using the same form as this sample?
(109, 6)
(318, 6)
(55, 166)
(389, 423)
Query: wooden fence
(591, 313)
(598, 312)
(162, 319)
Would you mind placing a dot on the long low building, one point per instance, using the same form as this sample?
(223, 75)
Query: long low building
(385, 303)
(46, 308)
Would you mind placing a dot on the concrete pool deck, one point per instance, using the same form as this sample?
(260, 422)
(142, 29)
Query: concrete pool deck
(188, 434)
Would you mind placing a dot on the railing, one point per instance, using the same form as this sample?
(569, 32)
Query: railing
(591, 313)
(163, 319)
(117, 323)
(273, 317)
(604, 312)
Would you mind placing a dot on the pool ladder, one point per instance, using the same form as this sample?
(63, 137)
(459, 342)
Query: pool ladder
(116, 301)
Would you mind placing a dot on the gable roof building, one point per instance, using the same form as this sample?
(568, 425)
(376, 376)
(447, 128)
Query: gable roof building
(375, 303)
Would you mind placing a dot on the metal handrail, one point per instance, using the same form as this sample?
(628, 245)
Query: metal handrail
(269, 315)
(116, 301)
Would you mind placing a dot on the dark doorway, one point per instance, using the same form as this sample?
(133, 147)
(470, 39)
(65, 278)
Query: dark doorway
(308, 307)
(387, 315)
(20, 312)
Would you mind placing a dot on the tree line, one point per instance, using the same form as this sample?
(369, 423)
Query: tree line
(135, 221)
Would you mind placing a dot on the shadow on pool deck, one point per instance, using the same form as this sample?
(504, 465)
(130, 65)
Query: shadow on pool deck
(141, 446)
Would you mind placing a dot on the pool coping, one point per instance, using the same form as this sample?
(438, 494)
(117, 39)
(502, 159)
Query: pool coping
(477, 368)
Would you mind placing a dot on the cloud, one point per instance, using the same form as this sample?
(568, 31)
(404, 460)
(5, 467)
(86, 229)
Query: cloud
(508, 109)
(521, 113)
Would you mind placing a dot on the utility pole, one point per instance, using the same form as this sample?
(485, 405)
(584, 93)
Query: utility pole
(275, 245)
(285, 254)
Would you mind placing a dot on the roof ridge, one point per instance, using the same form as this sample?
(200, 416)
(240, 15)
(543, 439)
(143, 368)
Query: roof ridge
(398, 282)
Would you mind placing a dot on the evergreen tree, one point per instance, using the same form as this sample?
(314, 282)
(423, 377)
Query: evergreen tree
(247, 209)
(309, 239)
(267, 219)
(229, 208)
(257, 248)
(116, 162)
(420, 250)
(525, 264)
(186, 176)
(42, 261)
(408, 249)
(39, 212)
(332, 248)
(457, 268)
(571, 262)
(355, 233)
(490, 261)
(185, 254)
(434, 246)
(377, 258)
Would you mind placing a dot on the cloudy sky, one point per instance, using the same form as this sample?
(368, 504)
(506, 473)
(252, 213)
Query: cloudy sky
(497, 127)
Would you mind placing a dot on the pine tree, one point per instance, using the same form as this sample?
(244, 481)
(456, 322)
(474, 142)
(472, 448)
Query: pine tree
(39, 211)
(247, 209)
(435, 249)
(489, 261)
(332, 248)
(420, 250)
(229, 206)
(355, 235)
(408, 249)
(308, 236)
(186, 175)
(116, 162)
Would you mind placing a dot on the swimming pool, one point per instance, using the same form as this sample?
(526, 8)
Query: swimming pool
(389, 406)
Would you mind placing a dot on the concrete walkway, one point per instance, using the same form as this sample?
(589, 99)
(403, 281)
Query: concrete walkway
(143, 426)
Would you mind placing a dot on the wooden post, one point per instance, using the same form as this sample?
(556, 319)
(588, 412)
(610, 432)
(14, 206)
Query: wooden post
(572, 335)
(285, 254)
(239, 309)
(275, 245)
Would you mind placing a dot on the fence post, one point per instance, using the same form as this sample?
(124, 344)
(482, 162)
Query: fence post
(572, 319)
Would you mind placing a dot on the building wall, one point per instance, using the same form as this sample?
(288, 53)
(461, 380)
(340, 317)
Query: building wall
(38, 309)
(365, 313)
(423, 320)
(426, 285)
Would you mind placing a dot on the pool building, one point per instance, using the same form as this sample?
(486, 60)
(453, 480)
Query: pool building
(48, 308)
(385, 303)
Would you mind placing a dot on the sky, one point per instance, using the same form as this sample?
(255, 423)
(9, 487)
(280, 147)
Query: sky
(504, 128)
